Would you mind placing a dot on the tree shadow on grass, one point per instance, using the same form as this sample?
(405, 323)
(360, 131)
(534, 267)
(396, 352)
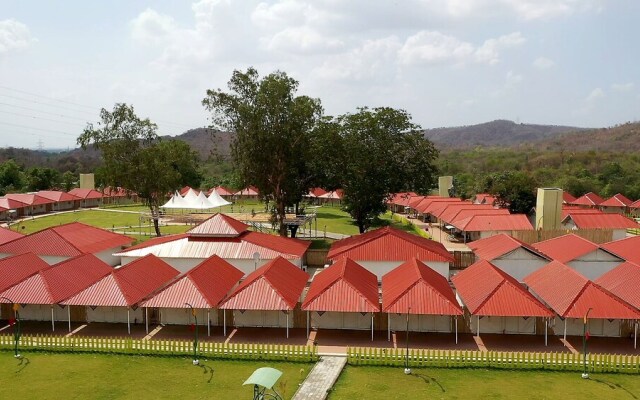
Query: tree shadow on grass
(428, 380)
(613, 386)
(207, 370)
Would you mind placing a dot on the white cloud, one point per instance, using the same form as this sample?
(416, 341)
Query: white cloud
(546, 9)
(150, 27)
(303, 40)
(623, 87)
(595, 95)
(489, 52)
(430, 47)
(14, 35)
(543, 63)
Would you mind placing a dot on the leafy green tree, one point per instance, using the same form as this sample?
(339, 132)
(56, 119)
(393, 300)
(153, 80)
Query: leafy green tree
(135, 158)
(514, 190)
(42, 179)
(69, 180)
(11, 177)
(381, 152)
(273, 132)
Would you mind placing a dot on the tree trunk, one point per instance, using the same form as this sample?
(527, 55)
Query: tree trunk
(155, 217)
(282, 228)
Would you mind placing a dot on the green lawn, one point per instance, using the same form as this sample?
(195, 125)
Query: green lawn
(391, 383)
(101, 219)
(90, 376)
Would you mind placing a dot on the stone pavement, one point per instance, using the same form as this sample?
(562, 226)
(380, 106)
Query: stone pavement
(321, 378)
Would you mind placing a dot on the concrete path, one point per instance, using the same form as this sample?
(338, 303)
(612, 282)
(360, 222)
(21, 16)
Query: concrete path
(321, 378)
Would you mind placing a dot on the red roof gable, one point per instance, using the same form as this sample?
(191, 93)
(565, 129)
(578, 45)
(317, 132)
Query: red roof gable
(601, 221)
(487, 290)
(15, 269)
(623, 281)
(462, 215)
(219, 225)
(388, 244)
(416, 288)
(414, 201)
(567, 197)
(221, 190)
(495, 223)
(566, 210)
(57, 195)
(617, 200)
(7, 235)
(10, 204)
(429, 203)
(127, 285)
(248, 191)
(204, 286)
(589, 199)
(109, 191)
(635, 204)
(566, 248)
(276, 285)
(60, 281)
(498, 245)
(628, 249)
(86, 194)
(570, 294)
(448, 214)
(29, 199)
(345, 286)
(484, 198)
(316, 192)
(401, 199)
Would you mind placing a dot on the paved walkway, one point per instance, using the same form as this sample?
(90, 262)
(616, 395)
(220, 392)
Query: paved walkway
(321, 378)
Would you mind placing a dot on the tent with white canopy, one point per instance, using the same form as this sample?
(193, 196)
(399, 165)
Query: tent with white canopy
(216, 200)
(176, 201)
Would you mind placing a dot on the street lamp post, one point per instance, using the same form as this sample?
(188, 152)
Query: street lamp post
(195, 338)
(407, 370)
(17, 332)
(585, 374)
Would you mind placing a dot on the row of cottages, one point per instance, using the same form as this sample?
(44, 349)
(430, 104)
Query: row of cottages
(46, 201)
(617, 203)
(345, 295)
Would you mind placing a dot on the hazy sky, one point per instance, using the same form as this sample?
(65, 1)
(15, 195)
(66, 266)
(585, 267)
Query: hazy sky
(456, 62)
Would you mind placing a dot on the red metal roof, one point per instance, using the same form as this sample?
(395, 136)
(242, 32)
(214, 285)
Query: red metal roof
(601, 221)
(186, 189)
(219, 225)
(7, 235)
(465, 214)
(567, 197)
(570, 294)
(17, 268)
(276, 285)
(635, 204)
(491, 223)
(617, 200)
(58, 282)
(589, 199)
(401, 199)
(429, 203)
(628, 249)
(316, 192)
(388, 244)
(29, 198)
(345, 286)
(449, 214)
(336, 194)
(57, 195)
(414, 201)
(221, 190)
(86, 193)
(484, 198)
(11, 204)
(204, 286)
(127, 285)
(566, 210)
(438, 209)
(416, 288)
(67, 240)
(623, 281)
(566, 248)
(248, 191)
(109, 191)
(498, 245)
(487, 290)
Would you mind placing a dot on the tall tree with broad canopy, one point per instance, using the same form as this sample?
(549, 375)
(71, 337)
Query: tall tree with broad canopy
(514, 190)
(273, 134)
(135, 159)
(380, 152)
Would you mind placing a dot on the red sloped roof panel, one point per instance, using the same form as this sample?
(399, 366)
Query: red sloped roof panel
(104, 293)
(293, 246)
(635, 204)
(7, 235)
(276, 285)
(498, 245)
(494, 223)
(46, 242)
(29, 199)
(418, 289)
(602, 221)
(9, 204)
(623, 281)
(89, 239)
(627, 249)
(617, 200)
(487, 290)
(32, 290)
(204, 286)
(57, 195)
(219, 225)
(567, 197)
(388, 244)
(566, 248)
(86, 194)
(589, 199)
(345, 286)
(15, 269)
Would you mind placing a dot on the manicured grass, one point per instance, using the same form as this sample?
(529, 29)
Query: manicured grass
(101, 219)
(392, 383)
(91, 376)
